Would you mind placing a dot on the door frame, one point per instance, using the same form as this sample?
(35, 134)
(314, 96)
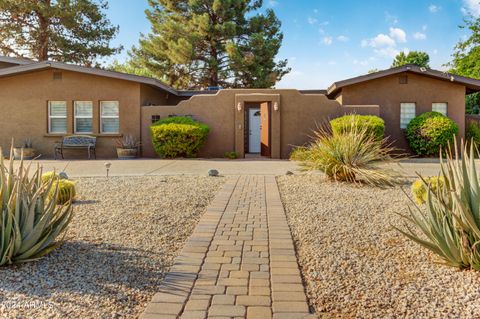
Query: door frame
(241, 125)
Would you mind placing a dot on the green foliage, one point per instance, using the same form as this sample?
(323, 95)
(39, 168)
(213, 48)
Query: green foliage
(197, 44)
(178, 137)
(351, 156)
(129, 68)
(466, 55)
(372, 124)
(421, 186)
(473, 132)
(299, 154)
(66, 31)
(472, 103)
(450, 225)
(230, 155)
(429, 132)
(419, 58)
(30, 220)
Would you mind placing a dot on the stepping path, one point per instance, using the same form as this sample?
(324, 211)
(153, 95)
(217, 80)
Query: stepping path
(239, 262)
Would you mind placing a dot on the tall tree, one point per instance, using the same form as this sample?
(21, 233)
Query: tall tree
(203, 43)
(466, 60)
(419, 58)
(76, 31)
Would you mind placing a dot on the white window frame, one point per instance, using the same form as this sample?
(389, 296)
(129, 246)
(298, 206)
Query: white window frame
(50, 117)
(443, 103)
(75, 117)
(109, 117)
(401, 109)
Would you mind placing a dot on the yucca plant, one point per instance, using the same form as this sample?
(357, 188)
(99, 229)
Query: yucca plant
(352, 155)
(30, 219)
(451, 223)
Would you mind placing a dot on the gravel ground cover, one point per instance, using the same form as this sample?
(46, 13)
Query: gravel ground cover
(125, 233)
(355, 265)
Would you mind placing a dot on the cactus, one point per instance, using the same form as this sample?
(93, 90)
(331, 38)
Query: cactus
(66, 191)
(420, 188)
(30, 220)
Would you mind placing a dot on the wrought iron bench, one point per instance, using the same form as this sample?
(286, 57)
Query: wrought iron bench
(76, 142)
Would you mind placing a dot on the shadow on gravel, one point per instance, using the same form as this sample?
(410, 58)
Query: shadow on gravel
(85, 268)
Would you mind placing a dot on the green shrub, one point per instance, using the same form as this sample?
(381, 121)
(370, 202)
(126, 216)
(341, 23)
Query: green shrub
(299, 153)
(351, 156)
(420, 188)
(429, 132)
(230, 155)
(450, 225)
(30, 220)
(473, 133)
(372, 124)
(178, 137)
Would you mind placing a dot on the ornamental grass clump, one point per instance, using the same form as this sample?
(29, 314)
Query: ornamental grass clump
(450, 224)
(351, 155)
(30, 219)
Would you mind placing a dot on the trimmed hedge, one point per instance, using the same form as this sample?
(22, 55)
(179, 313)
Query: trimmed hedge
(178, 137)
(371, 123)
(429, 132)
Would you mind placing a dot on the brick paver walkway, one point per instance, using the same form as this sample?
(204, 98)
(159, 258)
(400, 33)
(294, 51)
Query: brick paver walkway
(239, 262)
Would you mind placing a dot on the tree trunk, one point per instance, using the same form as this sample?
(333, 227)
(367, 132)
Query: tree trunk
(43, 38)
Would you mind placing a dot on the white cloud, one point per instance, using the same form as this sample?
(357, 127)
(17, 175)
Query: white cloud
(424, 27)
(435, 51)
(272, 3)
(390, 19)
(398, 35)
(312, 21)
(471, 7)
(327, 40)
(315, 11)
(434, 8)
(381, 40)
(321, 30)
(343, 38)
(388, 52)
(419, 36)
(332, 62)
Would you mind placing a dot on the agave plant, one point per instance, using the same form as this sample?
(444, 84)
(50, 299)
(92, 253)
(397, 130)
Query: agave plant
(451, 223)
(30, 219)
(352, 155)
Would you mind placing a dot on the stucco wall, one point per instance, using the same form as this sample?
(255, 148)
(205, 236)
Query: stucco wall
(298, 115)
(24, 99)
(388, 94)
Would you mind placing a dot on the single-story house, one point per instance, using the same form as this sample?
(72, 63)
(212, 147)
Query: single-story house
(45, 101)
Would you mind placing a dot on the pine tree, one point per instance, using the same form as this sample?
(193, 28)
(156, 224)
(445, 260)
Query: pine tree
(205, 43)
(74, 31)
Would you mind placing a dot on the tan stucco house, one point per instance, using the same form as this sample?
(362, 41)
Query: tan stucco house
(45, 101)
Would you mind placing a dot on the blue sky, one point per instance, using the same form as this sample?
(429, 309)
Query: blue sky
(326, 41)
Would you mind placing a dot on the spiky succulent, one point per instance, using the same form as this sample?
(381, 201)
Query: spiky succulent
(30, 219)
(450, 226)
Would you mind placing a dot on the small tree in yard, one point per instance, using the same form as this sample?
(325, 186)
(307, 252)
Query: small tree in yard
(413, 57)
(74, 31)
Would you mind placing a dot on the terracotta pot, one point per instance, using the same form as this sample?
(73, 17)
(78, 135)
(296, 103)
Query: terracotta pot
(28, 153)
(127, 153)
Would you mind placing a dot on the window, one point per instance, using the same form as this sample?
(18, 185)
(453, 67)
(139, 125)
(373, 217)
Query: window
(83, 117)
(57, 117)
(155, 118)
(440, 107)
(407, 113)
(109, 117)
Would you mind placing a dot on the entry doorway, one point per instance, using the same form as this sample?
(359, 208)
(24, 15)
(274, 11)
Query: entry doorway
(257, 137)
(254, 116)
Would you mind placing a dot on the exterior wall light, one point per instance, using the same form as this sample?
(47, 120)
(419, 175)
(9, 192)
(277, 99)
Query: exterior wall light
(275, 106)
(452, 78)
(239, 106)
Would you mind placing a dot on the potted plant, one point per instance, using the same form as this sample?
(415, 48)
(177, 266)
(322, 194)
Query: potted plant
(127, 147)
(26, 149)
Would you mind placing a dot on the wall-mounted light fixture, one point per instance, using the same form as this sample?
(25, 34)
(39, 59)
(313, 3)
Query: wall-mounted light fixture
(275, 106)
(452, 78)
(239, 106)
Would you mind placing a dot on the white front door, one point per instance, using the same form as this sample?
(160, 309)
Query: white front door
(254, 130)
